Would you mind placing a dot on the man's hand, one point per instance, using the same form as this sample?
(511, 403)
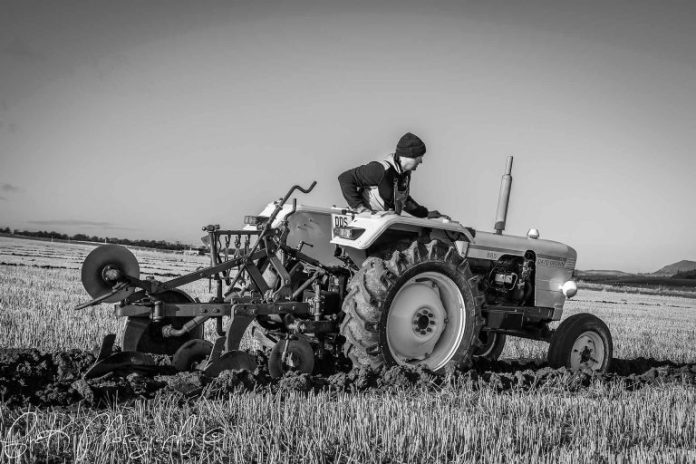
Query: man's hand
(363, 209)
(435, 214)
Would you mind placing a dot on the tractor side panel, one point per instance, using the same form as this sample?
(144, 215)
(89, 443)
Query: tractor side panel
(313, 228)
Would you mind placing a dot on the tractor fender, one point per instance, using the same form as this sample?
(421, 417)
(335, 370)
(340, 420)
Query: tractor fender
(374, 225)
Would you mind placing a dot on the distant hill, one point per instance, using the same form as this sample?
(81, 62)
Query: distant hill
(600, 273)
(672, 269)
(620, 279)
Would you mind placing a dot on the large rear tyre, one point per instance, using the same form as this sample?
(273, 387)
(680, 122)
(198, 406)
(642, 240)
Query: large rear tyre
(581, 342)
(492, 344)
(422, 307)
(144, 335)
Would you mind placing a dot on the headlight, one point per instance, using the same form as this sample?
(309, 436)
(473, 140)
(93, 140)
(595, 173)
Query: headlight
(255, 220)
(569, 289)
(349, 233)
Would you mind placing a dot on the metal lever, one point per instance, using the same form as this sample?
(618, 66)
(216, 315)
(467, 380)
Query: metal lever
(117, 289)
(303, 243)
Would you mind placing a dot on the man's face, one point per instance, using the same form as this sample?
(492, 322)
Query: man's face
(411, 164)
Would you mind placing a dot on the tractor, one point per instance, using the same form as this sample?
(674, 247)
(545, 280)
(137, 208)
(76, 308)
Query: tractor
(323, 287)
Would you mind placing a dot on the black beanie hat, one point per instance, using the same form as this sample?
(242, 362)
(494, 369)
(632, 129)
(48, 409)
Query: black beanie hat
(410, 146)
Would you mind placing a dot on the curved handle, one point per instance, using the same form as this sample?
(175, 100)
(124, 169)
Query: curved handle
(296, 187)
(284, 200)
(311, 187)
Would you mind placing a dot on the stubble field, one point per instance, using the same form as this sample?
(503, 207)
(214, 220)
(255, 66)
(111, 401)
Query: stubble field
(516, 410)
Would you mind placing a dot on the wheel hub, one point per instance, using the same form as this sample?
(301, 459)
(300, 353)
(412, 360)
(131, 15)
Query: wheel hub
(425, 321)
(587, 351)
(422, 322)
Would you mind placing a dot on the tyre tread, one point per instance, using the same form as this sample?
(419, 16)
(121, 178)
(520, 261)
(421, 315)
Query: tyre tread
(368, 289)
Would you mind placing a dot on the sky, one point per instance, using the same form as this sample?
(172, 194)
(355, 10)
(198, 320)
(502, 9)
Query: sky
(152, 119)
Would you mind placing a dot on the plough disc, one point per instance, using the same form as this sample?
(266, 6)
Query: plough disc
(95, 271)
(191, 354)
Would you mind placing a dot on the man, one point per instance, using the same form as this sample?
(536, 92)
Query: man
(384, 185)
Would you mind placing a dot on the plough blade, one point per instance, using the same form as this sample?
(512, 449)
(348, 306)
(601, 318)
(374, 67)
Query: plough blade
(231, 360)
(127, 362)
(121, 363)
(124, 362)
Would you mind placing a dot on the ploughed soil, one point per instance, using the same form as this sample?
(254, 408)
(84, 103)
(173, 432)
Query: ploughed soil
(31, 377)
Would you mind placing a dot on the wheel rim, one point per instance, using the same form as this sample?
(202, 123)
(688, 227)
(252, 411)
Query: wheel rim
(488, 340)
(587, 352)
(425, 324)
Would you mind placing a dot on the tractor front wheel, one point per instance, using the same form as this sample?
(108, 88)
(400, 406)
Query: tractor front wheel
(421, 307)
(581, 342)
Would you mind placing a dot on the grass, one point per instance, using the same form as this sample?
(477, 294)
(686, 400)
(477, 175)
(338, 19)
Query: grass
(604, 422)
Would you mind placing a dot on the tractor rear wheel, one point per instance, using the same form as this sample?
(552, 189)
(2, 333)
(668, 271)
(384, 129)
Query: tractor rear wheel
(581, 342)
(144, 335)
(421, 307)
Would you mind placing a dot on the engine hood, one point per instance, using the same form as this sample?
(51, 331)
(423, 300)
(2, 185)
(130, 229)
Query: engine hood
(487, 245)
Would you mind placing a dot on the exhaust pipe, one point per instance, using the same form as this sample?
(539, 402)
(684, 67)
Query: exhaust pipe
(503, 198)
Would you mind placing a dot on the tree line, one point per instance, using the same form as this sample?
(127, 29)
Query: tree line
(685, 274)
(159, 244)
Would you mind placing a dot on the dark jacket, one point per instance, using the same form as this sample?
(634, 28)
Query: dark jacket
(380, 185)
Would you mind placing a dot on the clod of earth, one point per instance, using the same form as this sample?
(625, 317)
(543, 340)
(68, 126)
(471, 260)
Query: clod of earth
(31, 377)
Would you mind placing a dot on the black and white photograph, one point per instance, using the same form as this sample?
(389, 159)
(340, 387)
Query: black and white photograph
(306, 231)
